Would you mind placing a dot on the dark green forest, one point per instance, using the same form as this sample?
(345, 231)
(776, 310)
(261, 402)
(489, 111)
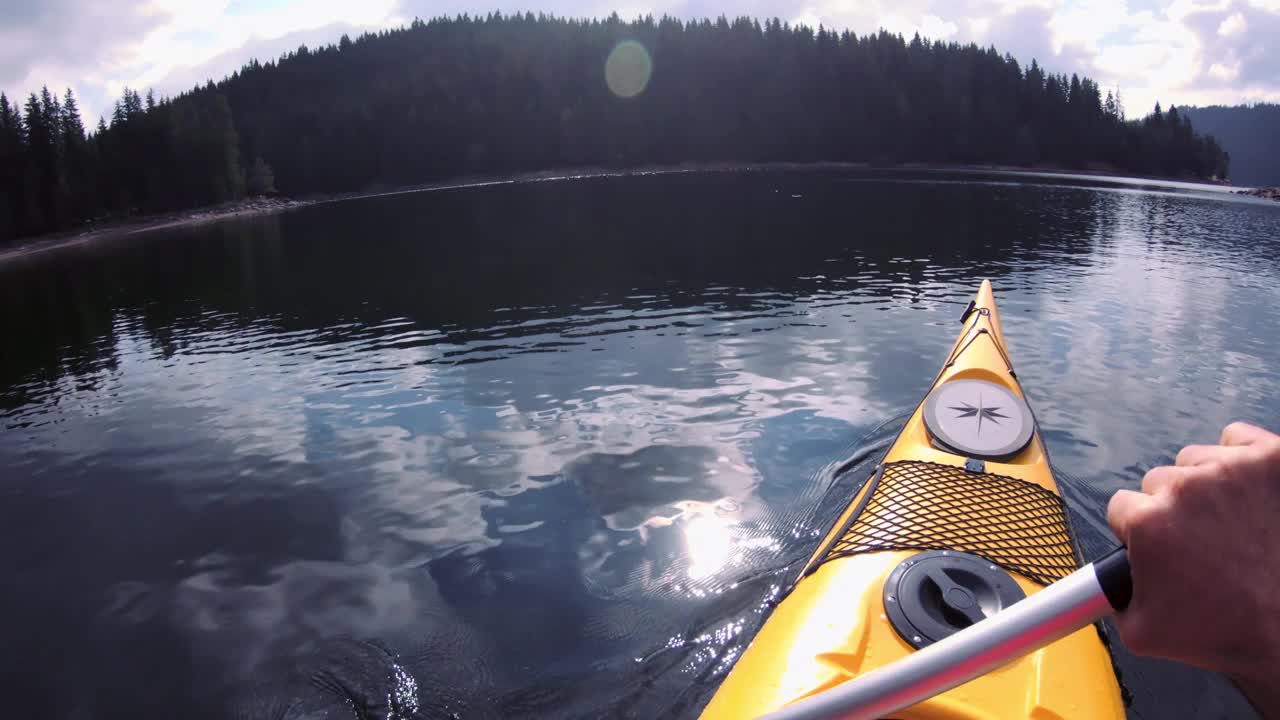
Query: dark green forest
(499, 94)
(1251, 133)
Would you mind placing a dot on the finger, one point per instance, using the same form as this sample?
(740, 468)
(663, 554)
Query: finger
(1162, 478)
(1136, 630)
(1242, 433)
(1192, 455)
(1125, 506)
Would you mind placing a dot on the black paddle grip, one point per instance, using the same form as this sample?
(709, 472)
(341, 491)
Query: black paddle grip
(1112, 571)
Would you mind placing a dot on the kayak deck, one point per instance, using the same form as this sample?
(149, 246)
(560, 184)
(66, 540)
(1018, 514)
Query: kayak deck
(834, 624)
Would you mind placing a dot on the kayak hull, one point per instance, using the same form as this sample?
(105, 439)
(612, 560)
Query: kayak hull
(833, 625)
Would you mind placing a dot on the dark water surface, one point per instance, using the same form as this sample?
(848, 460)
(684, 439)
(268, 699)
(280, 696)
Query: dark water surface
(546, 449)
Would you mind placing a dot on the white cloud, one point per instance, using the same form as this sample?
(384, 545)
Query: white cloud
(69, 42)
(1222, 72)
(1184, 51)
(99, 50)
(1026, 32)
(930, 26)
(1089, 23)
(1232, 25)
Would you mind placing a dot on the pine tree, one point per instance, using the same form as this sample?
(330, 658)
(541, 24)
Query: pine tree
(11, 163)
(77, 162)
(6, 113)
(41, 179)
(71, 123)
(132, 103)
(261, 180)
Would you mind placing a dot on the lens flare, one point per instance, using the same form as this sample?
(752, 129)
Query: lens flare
(627, 69)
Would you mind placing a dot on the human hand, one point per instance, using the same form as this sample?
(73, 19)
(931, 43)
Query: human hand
(1204, 549)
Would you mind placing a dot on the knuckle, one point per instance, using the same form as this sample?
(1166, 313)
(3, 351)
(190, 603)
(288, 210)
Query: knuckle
(1198, 482)
(1141, 521)
(1221, 470)
(1237, 427)
(1154, 525)
(1152, 480)
(1184, 455)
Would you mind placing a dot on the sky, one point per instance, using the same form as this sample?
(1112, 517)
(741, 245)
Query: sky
(1184, 52)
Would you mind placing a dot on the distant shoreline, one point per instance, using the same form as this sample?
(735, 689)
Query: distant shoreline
(255, 206)
(118, 228)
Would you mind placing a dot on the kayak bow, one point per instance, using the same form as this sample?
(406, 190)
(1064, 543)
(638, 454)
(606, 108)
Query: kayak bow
(961, 519)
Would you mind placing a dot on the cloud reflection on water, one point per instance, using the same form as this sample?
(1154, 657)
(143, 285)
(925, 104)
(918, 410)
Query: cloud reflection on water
(553, 470)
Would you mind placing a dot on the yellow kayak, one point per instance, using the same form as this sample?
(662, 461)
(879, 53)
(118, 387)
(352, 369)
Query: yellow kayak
(961, 519)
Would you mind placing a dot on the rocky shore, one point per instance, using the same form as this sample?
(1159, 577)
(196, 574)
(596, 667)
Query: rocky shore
(131, 226)
(1269, 193)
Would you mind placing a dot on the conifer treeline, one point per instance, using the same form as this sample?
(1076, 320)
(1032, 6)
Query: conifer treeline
(498, 94)
(153, 156)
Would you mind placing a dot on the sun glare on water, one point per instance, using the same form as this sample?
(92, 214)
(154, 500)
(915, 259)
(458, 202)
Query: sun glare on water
(708, 542)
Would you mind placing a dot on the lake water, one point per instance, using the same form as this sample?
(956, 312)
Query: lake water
(546, 449)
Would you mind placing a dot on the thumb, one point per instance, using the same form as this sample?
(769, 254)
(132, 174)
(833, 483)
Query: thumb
(1124, 507)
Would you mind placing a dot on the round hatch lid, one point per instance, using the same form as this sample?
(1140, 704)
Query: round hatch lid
(978, 419)
(933, 595)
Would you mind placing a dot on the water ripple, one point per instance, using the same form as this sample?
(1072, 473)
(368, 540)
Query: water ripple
(562, 476)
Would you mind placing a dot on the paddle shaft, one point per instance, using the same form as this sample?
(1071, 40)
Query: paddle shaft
(1081, 598)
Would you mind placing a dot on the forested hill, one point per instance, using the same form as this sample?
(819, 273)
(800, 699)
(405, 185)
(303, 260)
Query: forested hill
(491, 95)
(1251, 133)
